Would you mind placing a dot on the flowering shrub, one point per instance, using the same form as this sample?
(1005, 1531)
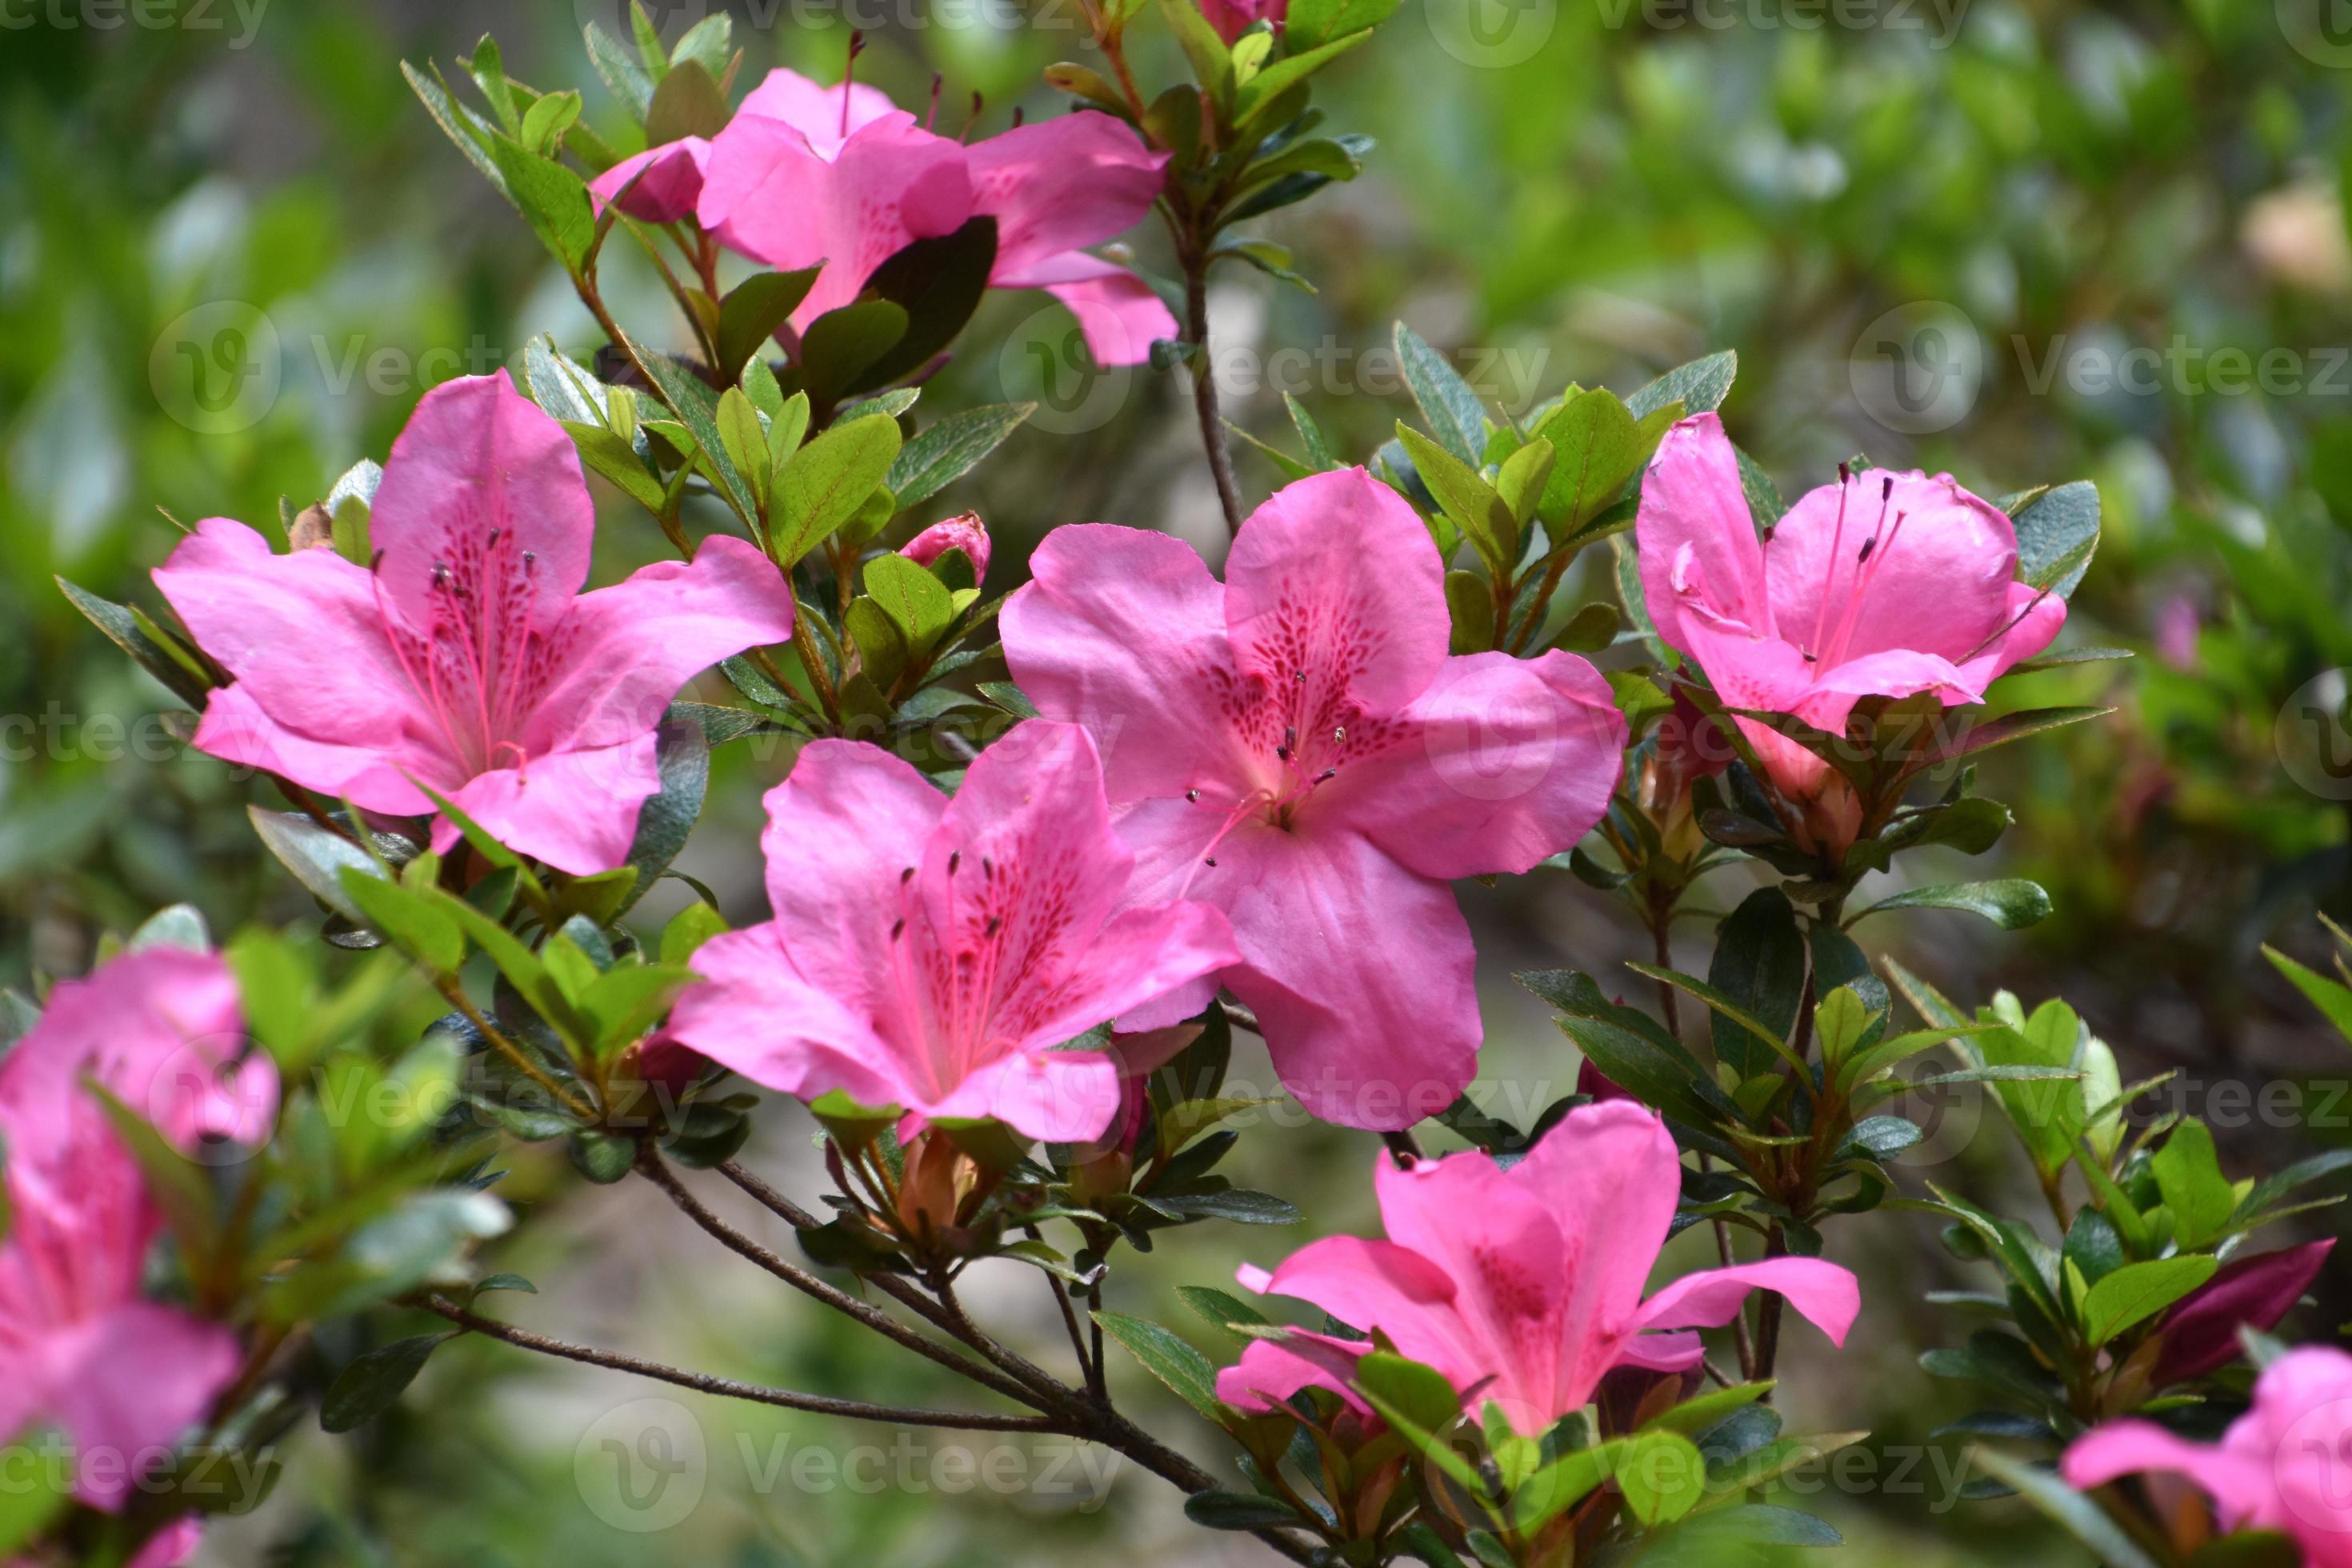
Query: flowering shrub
(1037, 858)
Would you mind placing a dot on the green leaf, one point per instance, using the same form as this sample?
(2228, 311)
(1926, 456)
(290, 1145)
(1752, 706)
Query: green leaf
(2189, 1173)
(1212, 62)
(1265, 91)
(467, 131)
(408, 919)
(1240, 1204)
(2056, 537)
(1699, 386)
(696, 406)
(2329, 996)
(2137, 1292)
(1167, 1358)
(951, 448)
(1222, 1311)
(1239, 1510)
(1467, 499)
(1760, 967)
(1310, 24)
(167, 663)
(918, 604)
(176, 1183)
(2009, 727)
(552, 200)
(2011, 903)
(621, 70)
(2080, 1516)
(1453, 412)
(753, 310)
(688, 102)
(374, 1383)
(549, 118)
(1417, 1392)
(825, 482)
(1600, 449)
(937, 282)
(1662, 1474)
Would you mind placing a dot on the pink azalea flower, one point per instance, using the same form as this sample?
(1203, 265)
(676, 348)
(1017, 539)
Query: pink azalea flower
(467, 660)
(660, 185)
(931, 953)
(1297, 748)
(1231, 18)
(1886, 585)
(80, 1348)
(1525, 1286)
(2279, 1466)
(804, 175)
(966, 533)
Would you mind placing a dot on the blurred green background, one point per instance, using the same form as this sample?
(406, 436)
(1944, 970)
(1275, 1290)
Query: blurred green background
(2025, 242)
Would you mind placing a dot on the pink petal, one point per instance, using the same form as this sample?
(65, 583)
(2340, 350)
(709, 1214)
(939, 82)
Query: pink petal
(1379, 1284)
(844, 830)
(1611, 1175)
(2245, 1488)
(1335, 577)
(1938, 584)
(163, 1030)
(1696, 536)
(1502, 1248)
(817, 112)
(754, 1014)
(965, 533)
(1123, 631)
(771, 197)
(576, 810)
(128, 1383)
(1359, 970)
(1501, 764)
(1271, 1370)
(1060, 1097)
(1057, 184)
(660, 185)
(629, 647)
(1823, 1294)
(477, 456)
(171, 1545)
(329, 719)
(2033, 619)
(1120, 314)
(1029, 833)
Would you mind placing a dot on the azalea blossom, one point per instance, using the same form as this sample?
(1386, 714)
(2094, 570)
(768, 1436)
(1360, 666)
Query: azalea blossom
(81, 1349)
(1884, 585)
(1297, 748)
(804, 175)
(467, 660)
(1524, 1286)
(930, 953)
(966, 533)
(2279, 1466)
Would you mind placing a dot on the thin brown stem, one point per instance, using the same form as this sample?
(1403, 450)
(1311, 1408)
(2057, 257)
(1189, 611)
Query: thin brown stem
(651, 1165)
(731, 1388)
(1204, 382)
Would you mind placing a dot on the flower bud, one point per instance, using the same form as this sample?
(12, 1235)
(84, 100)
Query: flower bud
(966, 533)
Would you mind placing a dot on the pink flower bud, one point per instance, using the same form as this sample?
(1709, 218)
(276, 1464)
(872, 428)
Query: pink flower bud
(966, 533)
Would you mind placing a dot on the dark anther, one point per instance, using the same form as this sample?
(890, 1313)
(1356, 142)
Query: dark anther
(1194, 795)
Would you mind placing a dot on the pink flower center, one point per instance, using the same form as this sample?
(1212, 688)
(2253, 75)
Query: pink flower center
(1831, 637)
(970, 990)
(480, 666)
